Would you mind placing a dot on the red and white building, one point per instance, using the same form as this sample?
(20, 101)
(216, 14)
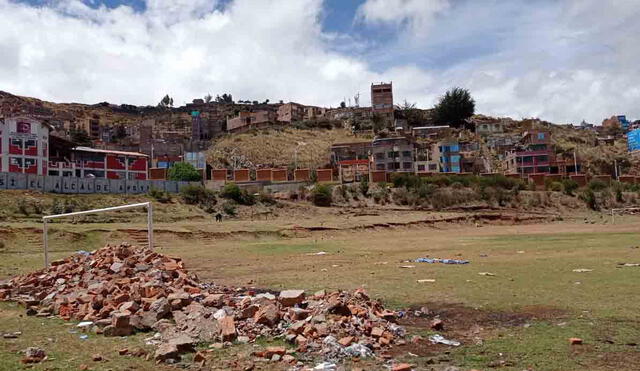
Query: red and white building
(24, 145)
(88, 162)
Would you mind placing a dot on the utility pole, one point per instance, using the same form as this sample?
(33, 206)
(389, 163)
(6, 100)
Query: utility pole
(575, 163)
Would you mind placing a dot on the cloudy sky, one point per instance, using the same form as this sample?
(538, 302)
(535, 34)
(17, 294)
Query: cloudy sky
(560, 60)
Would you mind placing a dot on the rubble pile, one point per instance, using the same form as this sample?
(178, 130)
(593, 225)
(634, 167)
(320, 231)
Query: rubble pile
(118, 290)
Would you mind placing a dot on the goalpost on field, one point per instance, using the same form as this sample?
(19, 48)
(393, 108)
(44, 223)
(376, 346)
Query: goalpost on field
(45, 219)
(622, 211)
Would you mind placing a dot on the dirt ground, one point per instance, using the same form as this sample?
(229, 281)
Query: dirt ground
(520, 317)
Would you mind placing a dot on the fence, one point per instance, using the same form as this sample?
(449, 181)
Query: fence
(68, 185)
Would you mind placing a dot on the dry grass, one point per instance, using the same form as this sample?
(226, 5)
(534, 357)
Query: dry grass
(276, 147)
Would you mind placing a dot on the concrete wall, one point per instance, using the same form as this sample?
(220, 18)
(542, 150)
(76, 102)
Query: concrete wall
(324, 175)
(54, 184)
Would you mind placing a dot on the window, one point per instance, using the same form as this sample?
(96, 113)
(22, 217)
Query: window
(390, 166)
(406, 165)
(455, 158)
(540, 136)
(420, 167)
(390, 154)
(543, 158)
(396, 165)
(379, 166)
(406, 153)
(380, 156)
(433, 167)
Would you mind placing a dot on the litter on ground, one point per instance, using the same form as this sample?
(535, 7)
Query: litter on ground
(439, 339)
(582, 270)
(441, 261)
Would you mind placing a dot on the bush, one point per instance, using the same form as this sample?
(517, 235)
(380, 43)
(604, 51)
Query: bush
(597, 185)
(554, 186)
(57, 207)
(23, 206)
(589, 198)
(231, 191)
(229, 208)
(569, 186)
(160, 196)
(198, 195)
(364, 186)
(321, 195)
(381, 194)
(266, 199)
(183, 171)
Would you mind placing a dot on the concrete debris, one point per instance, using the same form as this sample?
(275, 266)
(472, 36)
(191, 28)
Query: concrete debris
(119, 290)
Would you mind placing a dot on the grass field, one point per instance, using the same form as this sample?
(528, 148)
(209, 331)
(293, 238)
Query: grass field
(521, 317)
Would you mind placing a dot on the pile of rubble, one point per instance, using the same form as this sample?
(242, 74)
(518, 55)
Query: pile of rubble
(118, 290)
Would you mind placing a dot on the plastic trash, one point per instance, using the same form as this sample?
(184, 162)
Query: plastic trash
(582, 270)
(85, 324)
(83, 252)
(439, 339)
(326, 366)
(441, 261)
(84, 337)
(358, 350)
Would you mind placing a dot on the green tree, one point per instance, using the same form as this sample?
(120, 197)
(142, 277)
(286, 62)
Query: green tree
(321, 195)
(409, 112)
(208, 98)
(183, 171)
(454, 107)
(80, 137)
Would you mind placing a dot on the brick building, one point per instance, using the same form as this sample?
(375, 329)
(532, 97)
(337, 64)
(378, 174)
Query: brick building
(382, 100)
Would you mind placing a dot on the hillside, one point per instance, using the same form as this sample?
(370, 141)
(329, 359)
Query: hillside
(277, 147)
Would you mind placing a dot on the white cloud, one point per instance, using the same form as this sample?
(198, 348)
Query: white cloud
(416, 15)
(253, 49)
(562, 61)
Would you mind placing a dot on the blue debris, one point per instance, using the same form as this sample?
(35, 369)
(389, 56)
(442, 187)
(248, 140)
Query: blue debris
(442, 261)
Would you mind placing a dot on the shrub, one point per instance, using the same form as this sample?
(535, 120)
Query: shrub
(198, 195)
(160, 196)
(266, 199)
(231, 191)
(70, 206)
(229, 208)
(57, 207)
(589, 198)
(183, 171)
(38, 207)
(364, 186)
(321, 195)
(569, 186)
(597, 185)
(554, 186)
(23, 206)
(381, 194)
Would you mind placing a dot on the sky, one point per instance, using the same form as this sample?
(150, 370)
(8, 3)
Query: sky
(559, 60)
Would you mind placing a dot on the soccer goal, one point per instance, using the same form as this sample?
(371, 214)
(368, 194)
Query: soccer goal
(46, 219)
(626, 210)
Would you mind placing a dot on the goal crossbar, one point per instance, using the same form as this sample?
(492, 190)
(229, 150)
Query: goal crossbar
(46, 219)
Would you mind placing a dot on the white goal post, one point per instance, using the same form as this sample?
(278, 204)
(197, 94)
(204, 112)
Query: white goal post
(45, 219)
(621, 211)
